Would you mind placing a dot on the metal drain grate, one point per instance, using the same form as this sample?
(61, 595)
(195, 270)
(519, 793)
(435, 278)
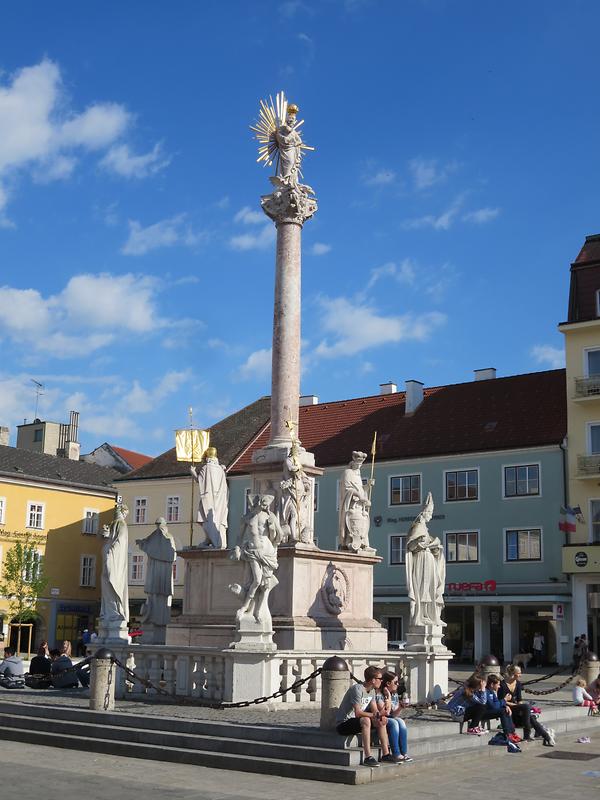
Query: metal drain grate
(565, 755)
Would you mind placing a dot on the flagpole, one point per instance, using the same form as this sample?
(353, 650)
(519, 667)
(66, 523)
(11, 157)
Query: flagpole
(373, 447)
(193, 478)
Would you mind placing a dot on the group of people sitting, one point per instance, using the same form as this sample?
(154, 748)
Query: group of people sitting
(481, 699)
(50, 668)
(374, 706)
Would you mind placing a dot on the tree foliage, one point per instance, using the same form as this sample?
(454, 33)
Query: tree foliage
(22, 580)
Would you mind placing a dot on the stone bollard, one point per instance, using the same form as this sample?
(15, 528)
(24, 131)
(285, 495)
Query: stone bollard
(335, 680)
(102, 681)
(489, 665)
(590, 668)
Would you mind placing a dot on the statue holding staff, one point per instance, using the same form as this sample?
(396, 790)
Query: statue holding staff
(425, 570)
(114, 607)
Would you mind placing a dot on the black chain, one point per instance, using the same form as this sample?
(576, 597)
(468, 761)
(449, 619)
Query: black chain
(221, 705)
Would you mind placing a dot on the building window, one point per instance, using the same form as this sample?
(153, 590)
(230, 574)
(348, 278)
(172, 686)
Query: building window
(87, 571)
(595, 521)
(394, 629)
(524, 545)
(90, 520)
(593, 363)
(136, 571)
(397, 549)
(141, 506)
(405, 490)
(462, 547)
(33, 565)
(247, 496)
(316, 503)
(522, 481)
(37, 435)
(2, 510)
(173, 509)
(462, 485)
(598, 302)
(175, 570)
(594, 442)
(35, 515)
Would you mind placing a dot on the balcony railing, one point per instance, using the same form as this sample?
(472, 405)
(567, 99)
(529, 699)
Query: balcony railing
(588, 466)
(587, 387)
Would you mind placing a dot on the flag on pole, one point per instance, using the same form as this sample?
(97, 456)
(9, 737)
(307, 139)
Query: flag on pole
(374, 445)
(567, 523)
(191, 444)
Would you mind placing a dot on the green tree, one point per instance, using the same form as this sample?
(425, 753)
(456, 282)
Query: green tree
(23, 580)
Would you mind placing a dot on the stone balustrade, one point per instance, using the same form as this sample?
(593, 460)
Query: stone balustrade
(214, 674)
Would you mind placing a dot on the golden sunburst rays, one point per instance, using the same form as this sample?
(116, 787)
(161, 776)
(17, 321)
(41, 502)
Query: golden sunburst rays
(270, 116)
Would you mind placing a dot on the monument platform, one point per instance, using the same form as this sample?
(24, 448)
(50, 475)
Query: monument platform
(324, 600)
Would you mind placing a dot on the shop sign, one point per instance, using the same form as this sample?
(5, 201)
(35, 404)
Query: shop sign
(558, 611)
(581, 559)
(55, 592)
(395, 520)
(19, 536)
(476, 586)
(65, 608)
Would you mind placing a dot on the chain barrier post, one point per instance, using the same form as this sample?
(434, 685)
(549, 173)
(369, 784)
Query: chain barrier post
(102, 681)
(590, 668)
(335, 680)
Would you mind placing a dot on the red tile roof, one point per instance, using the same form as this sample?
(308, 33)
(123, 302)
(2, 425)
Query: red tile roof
(135, 460)
(497, 414)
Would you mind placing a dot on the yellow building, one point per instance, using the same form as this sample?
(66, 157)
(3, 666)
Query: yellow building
(581, 555)
(60, 504)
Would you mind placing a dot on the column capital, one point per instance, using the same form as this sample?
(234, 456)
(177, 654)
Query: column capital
(289, 203)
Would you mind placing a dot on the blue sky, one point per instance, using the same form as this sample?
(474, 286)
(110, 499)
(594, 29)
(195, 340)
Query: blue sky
(456, 170)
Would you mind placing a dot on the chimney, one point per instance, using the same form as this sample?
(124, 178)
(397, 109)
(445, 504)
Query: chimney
(486, 374)
(4, 435)
(414, 396)
(388, 388)
(308, 400)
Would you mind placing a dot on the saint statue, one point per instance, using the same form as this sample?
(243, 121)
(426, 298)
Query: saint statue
(425, 571)
(214, 499)
(354, 518)
(161, 550)
(114, 608)
(289, 143)
(295, 499)
(260, 534)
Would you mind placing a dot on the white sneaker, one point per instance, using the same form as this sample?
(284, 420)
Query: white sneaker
(551, 736)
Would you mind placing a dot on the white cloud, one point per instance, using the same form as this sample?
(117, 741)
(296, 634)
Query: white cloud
(254, 241)
(290, 8)
(554, 357)
(405, 273)
(249, 216)
(443, 222)
(481, 215)
(310, 46)
(139, 400)
(166, 233)
(426, 172)
(256, 367)
(123, 162)
(88, 314)
(41, 132)
(382, 177)
(320, 249)
(355, 327)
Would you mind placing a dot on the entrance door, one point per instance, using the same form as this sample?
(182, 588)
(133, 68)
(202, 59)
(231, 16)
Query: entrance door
(69, 627)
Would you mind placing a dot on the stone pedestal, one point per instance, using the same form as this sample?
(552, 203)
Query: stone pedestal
(324, 601)
(153, 634)
(427, 662)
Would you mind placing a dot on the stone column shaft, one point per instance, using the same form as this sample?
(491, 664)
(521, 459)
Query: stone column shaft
(285, 381)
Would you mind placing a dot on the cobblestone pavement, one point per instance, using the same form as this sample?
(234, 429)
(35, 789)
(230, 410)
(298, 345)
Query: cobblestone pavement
(67, 775)
(292, 714)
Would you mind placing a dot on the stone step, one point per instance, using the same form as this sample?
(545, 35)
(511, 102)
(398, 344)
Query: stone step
(205, 742)
(287, 751)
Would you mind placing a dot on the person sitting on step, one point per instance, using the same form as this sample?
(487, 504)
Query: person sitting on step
(62, 674)
(467, 704)
(511, 691)
(389, 705)
(358, 714)
(12, 672)
(581, 697)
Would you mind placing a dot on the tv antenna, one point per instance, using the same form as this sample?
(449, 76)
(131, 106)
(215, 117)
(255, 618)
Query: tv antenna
(39, 391)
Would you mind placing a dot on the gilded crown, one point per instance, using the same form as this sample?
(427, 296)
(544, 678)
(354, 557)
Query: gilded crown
(292, 109)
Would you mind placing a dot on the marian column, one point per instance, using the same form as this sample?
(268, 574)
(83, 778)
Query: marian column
(283, 468)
